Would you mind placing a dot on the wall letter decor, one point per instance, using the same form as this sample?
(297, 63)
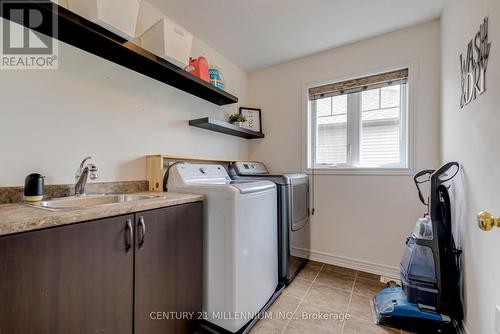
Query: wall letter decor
(473, 66)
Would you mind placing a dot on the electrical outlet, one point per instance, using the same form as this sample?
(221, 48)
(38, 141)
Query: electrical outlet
(385, 279)
(497, 319)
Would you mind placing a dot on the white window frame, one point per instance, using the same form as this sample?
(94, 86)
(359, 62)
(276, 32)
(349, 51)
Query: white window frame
(409, 117)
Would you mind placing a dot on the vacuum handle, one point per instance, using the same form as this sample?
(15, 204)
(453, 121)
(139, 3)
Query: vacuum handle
(418, 181)
(446, 167)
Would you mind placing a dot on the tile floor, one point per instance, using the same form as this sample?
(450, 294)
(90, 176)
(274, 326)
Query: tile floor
(327, 290)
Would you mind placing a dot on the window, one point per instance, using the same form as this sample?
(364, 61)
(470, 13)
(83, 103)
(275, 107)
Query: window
(360, 123)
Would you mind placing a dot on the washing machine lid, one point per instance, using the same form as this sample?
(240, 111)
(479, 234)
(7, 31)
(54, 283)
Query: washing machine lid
(247, 187)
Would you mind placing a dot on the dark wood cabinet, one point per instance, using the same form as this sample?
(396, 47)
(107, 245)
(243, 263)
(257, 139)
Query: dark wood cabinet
(168, 269)
(104, 276)
(70, 279)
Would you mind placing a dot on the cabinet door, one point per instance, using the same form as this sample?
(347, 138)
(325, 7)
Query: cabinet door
(168, 269)
(74, 279)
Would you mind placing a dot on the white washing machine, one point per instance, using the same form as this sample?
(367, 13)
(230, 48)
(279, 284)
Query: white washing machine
(240, 241)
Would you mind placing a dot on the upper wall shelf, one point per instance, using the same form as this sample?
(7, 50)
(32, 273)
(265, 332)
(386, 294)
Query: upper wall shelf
(86, 35)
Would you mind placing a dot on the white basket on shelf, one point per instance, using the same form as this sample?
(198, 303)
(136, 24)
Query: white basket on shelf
(169, 41)
(118, 16)
(148, 16)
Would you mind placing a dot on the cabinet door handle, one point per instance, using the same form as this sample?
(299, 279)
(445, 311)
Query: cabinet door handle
(142, 231)
(129, 235)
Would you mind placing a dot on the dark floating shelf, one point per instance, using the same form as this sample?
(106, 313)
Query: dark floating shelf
(86, 35)
(224, 127)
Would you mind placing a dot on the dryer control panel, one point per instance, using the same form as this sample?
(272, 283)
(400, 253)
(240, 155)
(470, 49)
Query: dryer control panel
(249, 168)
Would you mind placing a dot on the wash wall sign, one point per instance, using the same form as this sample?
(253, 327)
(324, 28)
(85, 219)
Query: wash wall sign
(473, 65)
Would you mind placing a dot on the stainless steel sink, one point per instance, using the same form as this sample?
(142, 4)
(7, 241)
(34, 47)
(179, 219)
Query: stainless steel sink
(87, 201)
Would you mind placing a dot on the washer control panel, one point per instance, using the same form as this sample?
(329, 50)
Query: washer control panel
(202, 173)
(249, 168)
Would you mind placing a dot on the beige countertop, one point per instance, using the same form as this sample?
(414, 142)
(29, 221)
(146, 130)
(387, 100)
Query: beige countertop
(15, 218)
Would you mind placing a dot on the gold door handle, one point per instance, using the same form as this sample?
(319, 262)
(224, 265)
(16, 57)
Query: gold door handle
(486, 221)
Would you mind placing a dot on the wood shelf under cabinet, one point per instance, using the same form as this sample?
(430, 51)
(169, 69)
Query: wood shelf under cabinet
(88, 36)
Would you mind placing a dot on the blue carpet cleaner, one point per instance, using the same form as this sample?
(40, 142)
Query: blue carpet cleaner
(429, 297)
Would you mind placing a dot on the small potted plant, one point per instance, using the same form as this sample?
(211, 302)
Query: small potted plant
(237, 119)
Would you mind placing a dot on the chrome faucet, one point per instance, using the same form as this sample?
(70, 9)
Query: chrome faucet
(82, 174)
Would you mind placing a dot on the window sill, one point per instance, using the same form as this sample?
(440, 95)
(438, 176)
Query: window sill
(361, 171)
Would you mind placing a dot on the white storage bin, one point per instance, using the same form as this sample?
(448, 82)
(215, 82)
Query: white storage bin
(118, 16)
(169, 41)
(148, 16)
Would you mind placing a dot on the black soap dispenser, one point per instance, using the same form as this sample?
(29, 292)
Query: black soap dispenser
(34, 187)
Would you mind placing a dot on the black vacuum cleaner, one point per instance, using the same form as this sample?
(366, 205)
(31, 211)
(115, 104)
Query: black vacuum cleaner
(429, 297)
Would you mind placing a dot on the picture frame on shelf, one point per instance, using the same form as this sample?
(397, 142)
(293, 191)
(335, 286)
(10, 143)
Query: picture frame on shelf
(254, 118)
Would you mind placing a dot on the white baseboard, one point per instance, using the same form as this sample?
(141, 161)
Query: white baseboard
(369, 267)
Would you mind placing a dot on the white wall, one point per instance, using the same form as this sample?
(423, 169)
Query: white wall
(50, 120)
(471, 136)
(361, 217)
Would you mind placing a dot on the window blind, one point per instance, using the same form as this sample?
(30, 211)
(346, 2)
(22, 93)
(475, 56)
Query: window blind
(361, 129)
(379, 145)
(359, 84)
